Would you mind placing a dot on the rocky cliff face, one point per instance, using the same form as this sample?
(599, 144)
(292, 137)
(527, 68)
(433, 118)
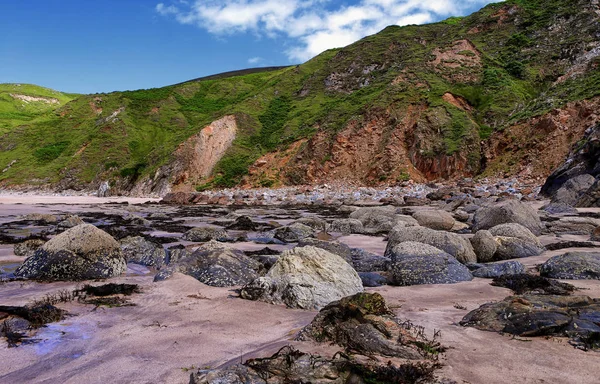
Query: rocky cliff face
(579, 176)
(192, 161)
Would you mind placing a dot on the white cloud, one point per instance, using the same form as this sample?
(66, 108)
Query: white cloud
(312, 25)
(255, 60)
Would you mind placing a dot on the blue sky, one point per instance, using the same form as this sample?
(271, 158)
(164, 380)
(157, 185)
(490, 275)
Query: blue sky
(107, 45)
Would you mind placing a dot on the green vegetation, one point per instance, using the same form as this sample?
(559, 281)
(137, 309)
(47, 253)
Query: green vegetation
(510, 74)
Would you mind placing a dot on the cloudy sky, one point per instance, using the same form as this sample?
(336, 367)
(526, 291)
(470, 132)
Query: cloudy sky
(81, 46)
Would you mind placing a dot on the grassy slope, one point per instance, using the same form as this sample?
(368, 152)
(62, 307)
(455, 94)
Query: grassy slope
(520, 62)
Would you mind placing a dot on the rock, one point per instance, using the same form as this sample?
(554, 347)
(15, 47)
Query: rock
(452, 243)
(573, 266)
(582, 160)
(177, 253)
(411, 201)
(488, 271)
(243, 223)
(315, 223)
(595, 235)
(558, 208)
(28, 247)
(459, 227)
(415, 263)
(220, 267)
(104, 189)
(540, 315)
(340, 249)
(305, 277)
(294, 232)
(43, 218)
(83, 252)
(574, 225)
(364, 261)
(364, 324)
(158, 216)
(367, 215)
(137, 220)
(515, 241)
(202, 234)
(439, 220)
(372, 279)
(377, 219)
(461, 216)
(509, 211)
(138, 250)
(177, 198)
(484, 245)
(70, 221)
(515, 248)
(591, 198)
(286, 366)
(573, 189)
(346, 226)
(524, 283)
(289, 366)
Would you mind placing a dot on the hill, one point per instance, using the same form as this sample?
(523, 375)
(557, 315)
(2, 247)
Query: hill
(504, 91)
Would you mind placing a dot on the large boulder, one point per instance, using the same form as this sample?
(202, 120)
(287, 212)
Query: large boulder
(574, 225)
(381, 219)
(484, 245)
(584, 159)
(415, 263)
(452, 243)
(573, 189)
(305, 277)
(83, 252)
(509, 211)
(219, 267)
(490, 271)
(294, 232)
(369, 215)
(541, 315)
(573, 266)
(138, 250)
(515, 241)
(435, 219)
(346, 226)
(202, 234)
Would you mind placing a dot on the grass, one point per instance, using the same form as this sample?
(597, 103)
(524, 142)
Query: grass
(126, 136)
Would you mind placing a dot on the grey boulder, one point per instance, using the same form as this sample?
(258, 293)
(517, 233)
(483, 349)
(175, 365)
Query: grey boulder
(83, 252)
(509, 211)
(452, 243)
(573, 266)
(138, 250)
(489, 271)
(415, 263)
(435, 219)
(305, 277)
(202, 234)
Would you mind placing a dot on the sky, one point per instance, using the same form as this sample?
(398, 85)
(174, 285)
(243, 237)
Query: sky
(86, 46)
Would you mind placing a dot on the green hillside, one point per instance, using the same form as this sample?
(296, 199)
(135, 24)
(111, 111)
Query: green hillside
(504, 60)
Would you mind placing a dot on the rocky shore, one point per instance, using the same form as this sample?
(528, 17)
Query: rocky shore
(245, 273)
